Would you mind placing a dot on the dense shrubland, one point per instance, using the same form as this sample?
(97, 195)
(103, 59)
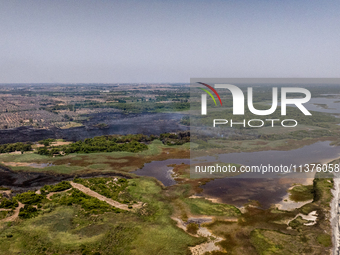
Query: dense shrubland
(88, 203)
(8, 203)
(61, 186)
(28, 211)
(11, 147)
(110, 188)
(35, 203)
(138, 106)
(30, 198)
(111, 143)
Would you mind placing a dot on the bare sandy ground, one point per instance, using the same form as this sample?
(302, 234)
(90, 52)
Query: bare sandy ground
(80, 187)
(312, 216)
(16, 163)
(287, 204)
(290, 205)
(214, 200)
(7, 192)
(334, 215)
(49, 195)
(15, 215)
(60, 143)
(29, 164)
(208, 246)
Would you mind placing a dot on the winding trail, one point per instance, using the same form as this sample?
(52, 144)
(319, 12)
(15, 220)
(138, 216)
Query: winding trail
(15, 215)
(92, 193)
(83, 189)
(202, 248)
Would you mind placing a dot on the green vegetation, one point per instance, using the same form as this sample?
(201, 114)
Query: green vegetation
(11, 147)
(322, 190)
(64, 185)
(262, 244)
(301, 193)
(88, 203)
(324, 239)
(175, 139)
(108, 187)
(30, 198)
(201, 206)
(47, 142)
(9, 203)
(28, 211)
(96, 144)
(126, 107)
(73, 223)
(298, 222)
(4, 214)
(264, 231)
(112, 143)
(192, 228)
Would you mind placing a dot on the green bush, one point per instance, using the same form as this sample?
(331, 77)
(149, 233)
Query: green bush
(11, 147)
(64, 185)
(108, 188)
(29, 198)
(192, 228)
(325, 240)
(28, 211)
(8, 204)
(88, 203)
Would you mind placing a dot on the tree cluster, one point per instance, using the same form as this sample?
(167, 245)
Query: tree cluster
(11, 147)
(61, 186)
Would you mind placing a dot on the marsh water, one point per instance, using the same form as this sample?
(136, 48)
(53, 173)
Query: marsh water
(324, 104)
(314, 153)
(232, 190)
(239, 190)
(161, 170)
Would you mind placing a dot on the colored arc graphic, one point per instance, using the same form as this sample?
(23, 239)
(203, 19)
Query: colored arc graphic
(213, 90)
(209, 94)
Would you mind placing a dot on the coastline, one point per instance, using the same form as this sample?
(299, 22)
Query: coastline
(334, 215)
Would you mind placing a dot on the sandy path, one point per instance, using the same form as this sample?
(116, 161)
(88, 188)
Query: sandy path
(15, 215)
(312, 216)
(202, 248)
(4, 210)
(335, 214)
(60, 143)
(7, 192)
(49, 195)
(92, 193)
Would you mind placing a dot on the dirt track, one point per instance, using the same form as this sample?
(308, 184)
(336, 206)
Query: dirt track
(82, 188)
(91, 193)
(15, 215)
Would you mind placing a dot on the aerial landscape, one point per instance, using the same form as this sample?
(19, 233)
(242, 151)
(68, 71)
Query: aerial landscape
(158, 127)
(75, 184)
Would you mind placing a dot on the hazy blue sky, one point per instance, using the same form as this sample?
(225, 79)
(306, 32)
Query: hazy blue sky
(167, 41)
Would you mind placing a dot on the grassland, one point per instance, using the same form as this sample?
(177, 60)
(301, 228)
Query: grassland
(95, 162)
(62, 229)
(89, 227)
